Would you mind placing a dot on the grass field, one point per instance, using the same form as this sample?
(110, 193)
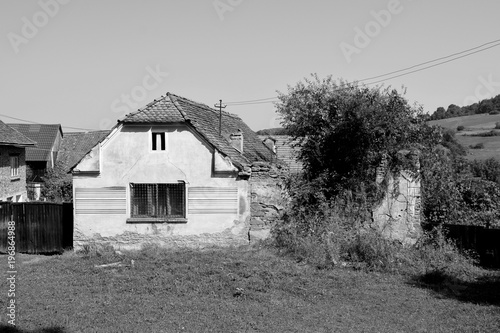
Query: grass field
(238, 290)
(473, 125)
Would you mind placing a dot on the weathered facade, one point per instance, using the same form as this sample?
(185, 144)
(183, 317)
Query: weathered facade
(166, 175)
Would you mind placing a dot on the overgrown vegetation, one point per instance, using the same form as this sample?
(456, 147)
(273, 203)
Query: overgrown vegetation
(345, 133)
(57, 186)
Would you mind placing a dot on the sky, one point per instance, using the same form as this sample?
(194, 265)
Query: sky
(86, 63)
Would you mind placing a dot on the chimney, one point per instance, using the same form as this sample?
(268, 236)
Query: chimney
(237, 140)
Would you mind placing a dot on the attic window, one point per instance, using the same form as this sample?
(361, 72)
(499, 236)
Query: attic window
(158, 141)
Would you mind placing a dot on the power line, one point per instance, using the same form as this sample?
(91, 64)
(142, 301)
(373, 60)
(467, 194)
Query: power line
(33, 122)
(461, 53)
(437, 59)
(440, 63)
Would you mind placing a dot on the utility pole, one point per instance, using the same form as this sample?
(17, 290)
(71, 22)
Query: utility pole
(220, 114)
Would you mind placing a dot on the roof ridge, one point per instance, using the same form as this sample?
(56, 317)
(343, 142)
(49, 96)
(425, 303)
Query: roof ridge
(190, 101)
(173, 98)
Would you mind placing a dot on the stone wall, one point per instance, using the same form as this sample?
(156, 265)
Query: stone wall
(267, 198)
(399, 215)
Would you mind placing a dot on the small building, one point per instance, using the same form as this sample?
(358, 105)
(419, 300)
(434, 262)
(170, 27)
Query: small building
(282, 146)
(167, 175)
(42, 156)
(13, 146)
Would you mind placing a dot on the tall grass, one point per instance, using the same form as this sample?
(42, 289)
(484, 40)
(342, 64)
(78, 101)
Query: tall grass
(338, 235)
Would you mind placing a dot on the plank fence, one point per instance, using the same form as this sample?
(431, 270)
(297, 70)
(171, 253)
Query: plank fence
(484, 241)
(40, 227)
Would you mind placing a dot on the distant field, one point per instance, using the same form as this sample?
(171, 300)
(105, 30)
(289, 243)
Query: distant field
(473, 125)
(475, 122)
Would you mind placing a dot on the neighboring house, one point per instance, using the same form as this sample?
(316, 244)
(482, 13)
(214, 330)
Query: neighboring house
(12, 163)
(165, 175)
(282, 147)
(41, 157)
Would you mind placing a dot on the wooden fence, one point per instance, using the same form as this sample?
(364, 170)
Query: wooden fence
(40, 227)
(484, 241)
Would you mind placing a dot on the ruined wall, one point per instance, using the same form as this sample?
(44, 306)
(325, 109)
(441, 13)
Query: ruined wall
(267, 198)
(399, 215)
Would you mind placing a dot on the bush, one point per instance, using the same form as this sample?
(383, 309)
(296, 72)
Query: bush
(460, 128)
(494, 112)
(486, 134)
(477, 146)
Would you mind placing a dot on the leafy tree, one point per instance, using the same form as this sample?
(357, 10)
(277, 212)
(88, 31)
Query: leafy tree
(57, 186)
(344, 131)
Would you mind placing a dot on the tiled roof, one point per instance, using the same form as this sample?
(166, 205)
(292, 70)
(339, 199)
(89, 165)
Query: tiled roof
(205, 120)
(75, 145)
(11, 136)
(44, 135)
(284, 151)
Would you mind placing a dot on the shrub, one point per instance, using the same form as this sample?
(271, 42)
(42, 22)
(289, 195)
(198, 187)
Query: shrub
(486, 134)
(477, 146)
(494, 112)
(460, 128)
(319, 237)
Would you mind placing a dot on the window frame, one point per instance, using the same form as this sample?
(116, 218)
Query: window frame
(158, 137)
(14, 167)
(155, 199)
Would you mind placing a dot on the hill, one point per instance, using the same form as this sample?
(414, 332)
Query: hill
(476, 132)
(491, 105)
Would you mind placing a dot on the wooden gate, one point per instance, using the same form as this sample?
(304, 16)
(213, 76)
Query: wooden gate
(40, 227)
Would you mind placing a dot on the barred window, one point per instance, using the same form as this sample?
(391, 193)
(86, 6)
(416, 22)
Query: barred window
(158, 200)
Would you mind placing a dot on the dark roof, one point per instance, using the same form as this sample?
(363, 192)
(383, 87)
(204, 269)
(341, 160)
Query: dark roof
(44, 135)
(284, 151)
(75, 145)
(205, 120)
(12, 137)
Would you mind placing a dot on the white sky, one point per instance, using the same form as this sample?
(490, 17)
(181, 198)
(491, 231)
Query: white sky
(81, 61)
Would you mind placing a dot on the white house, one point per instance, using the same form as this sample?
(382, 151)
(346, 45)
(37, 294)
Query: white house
(166, 174)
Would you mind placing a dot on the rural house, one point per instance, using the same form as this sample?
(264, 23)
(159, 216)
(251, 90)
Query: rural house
(12, 163)
(174, 173)
(42, 156)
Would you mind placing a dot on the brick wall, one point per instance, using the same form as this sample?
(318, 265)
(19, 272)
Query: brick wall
(12, 187)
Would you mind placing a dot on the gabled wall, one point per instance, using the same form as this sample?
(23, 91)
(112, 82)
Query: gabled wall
(102, 182)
